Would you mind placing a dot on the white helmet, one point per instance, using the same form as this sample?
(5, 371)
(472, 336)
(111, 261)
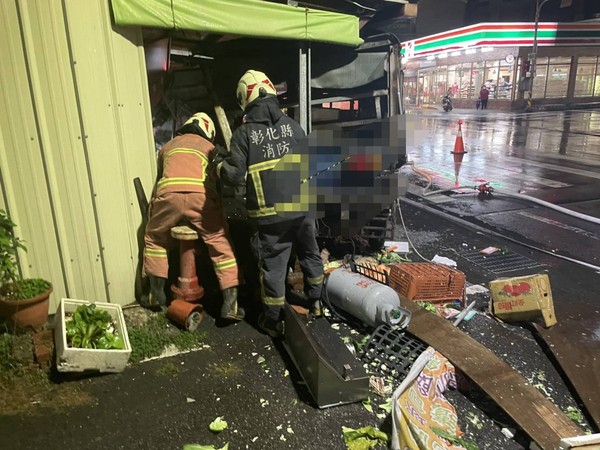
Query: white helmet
(205, 123)
(253, 85)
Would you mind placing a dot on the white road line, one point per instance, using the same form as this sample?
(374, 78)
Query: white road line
(584, 173)
(558, 224)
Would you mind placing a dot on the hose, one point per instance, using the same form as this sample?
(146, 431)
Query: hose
(425, 175)
(528, 198)
(560, 209)
(489, 232)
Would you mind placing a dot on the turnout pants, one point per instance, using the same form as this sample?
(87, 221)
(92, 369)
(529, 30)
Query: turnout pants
(205, 213)
(273, 246)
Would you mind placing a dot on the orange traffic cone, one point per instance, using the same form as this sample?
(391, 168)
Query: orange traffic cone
(458, 152)
(459, 146)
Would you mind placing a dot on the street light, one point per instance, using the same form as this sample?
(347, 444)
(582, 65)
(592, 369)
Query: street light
(533, 56)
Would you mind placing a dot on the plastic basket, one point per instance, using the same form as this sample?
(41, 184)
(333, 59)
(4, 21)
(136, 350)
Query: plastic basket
(392, 352)
(427, 282)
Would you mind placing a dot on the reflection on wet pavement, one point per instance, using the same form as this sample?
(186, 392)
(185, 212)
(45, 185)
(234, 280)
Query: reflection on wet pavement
(515, 151)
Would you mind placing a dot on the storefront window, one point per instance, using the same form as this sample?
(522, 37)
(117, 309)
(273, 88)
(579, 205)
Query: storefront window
(505, 80)
(477, 79)
(441, 84)
(558, 77)
(539, 82)
(454, 80)
(465, 85)
(586, 75)
(410, 91)
(491, 77)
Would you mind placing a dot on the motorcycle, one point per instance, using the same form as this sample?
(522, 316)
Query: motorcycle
(447, 103)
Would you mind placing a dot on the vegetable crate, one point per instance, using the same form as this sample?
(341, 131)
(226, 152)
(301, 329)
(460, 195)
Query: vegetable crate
(70, 359)
(427, 282)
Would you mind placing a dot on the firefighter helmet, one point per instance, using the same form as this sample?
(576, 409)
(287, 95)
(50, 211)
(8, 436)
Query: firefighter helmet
(253, 85)
(205, 123)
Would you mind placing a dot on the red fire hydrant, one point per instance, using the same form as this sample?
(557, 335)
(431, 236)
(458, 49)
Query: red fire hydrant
(187, 287)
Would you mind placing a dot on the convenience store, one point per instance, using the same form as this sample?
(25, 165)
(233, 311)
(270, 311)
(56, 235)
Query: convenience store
(497, 55)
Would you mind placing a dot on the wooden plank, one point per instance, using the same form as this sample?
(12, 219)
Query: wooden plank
(536, 415)
(575, 342)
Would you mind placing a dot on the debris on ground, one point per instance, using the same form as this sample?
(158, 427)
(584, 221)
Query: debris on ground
(218, 425)
(205, 447)
(363, 438)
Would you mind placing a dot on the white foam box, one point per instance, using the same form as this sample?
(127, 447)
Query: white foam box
(70, 359)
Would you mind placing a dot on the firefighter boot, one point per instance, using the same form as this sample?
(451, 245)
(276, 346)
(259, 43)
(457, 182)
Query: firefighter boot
(316, 308)
(230, 309)
(157, 295)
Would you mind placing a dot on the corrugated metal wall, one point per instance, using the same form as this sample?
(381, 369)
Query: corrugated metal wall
(75, 129)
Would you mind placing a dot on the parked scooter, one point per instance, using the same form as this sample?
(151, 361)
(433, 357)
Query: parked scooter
(447, 102)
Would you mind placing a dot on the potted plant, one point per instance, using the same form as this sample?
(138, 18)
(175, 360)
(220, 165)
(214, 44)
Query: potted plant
(24, 302)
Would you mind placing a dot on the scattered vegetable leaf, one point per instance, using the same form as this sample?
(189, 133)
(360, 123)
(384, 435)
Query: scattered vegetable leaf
(204, 447)
(218, 425)
(367, 404)
(574, 414)
(475, 421)
(454, 440)
(363, 438)
(387, 406)
(427, 306)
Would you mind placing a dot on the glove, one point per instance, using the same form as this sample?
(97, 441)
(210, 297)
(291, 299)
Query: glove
(220, 154)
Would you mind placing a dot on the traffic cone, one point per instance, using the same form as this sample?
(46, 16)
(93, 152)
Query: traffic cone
(458, 152)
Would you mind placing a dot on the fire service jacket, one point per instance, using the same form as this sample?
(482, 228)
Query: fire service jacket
(256, 147)
(182, 164)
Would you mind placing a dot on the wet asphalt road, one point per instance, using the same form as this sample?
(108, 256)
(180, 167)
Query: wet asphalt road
(552, 156)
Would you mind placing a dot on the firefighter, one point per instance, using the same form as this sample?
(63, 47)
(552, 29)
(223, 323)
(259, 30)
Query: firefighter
(256, 146)
(186, 191)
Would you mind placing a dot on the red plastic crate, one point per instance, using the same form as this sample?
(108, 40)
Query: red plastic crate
(427, 282)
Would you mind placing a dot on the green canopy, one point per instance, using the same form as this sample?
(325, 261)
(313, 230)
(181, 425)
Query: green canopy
(254, 18)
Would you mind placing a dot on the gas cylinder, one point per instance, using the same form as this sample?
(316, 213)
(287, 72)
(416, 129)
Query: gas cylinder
(366, 299)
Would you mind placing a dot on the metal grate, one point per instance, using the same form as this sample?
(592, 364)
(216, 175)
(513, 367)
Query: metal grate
(392, 352)
(500, 262)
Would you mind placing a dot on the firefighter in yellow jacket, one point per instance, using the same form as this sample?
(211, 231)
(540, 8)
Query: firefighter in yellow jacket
(186, 191)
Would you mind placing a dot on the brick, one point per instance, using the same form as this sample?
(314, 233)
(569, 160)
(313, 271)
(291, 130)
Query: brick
(43, 344)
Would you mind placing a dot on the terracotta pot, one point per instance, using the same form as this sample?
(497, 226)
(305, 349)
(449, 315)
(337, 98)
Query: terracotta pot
(27, 313)
(185, 314)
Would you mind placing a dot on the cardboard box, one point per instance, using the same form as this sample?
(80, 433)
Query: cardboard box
(523, 298)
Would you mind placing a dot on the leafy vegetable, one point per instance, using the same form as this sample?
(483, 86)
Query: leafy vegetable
(388, 258)
(367, 404)
(428, 306)
(454, 440)
(218, 425)
(387, 406)
(204, 447)
(363, 438)
(574, 414)
(92, 328)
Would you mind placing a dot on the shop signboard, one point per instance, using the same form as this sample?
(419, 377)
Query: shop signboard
(504, 34)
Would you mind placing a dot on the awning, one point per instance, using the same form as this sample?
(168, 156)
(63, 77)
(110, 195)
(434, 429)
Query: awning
(255, 18)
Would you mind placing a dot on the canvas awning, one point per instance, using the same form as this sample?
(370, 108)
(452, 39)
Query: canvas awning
(255, 18)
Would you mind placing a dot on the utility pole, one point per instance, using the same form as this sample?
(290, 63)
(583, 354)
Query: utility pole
(533, 56)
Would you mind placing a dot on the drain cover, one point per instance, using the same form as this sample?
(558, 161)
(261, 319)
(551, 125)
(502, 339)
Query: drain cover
(500, 262)
(392, 352)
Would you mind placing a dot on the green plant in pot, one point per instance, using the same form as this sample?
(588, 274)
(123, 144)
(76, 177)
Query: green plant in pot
(24, 302)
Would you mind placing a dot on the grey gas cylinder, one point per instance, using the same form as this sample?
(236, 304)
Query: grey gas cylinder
(366, 299)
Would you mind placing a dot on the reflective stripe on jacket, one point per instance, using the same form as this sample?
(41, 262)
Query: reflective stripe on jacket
(183, 163)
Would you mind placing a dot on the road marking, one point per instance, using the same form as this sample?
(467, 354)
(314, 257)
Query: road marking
(584, 173)
(558, 224)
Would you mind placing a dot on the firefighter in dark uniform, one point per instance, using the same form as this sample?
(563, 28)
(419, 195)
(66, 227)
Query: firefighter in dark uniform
(265, 136)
